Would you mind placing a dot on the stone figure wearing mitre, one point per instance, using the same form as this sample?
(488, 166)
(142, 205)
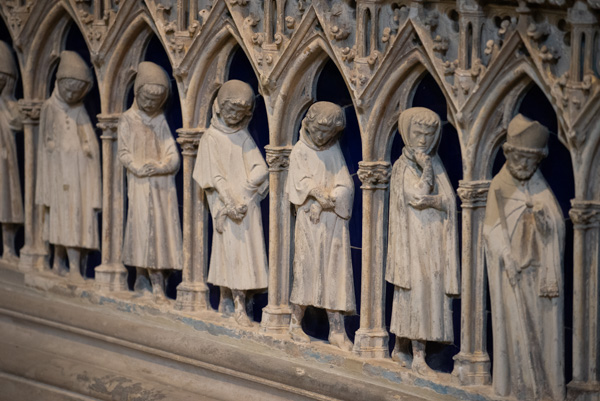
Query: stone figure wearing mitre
(524, 235)
(322, 191)
(153, 238)
(11, 202)
(422, 261)
(68, 167)
(233, 172)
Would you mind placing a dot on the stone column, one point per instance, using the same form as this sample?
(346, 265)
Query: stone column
(371, 340)
(472, 363)
(276, 315)
(585, 385)
(192, 292)
(111, 275)
(34, 253)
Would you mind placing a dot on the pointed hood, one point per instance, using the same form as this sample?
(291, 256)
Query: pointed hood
(72, 66)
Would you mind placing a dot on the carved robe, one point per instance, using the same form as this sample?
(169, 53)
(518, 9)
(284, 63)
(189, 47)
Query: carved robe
(422, 258)
(153, 236)
(527, 320)
(322, 273)
(11, 202)
(68, 180)
(228, 161)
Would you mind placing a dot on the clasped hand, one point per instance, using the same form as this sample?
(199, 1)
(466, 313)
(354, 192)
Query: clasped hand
(149, 169)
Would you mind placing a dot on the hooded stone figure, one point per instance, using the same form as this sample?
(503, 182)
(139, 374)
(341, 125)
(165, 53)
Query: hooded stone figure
(68, 167)
(146, 148)
(524, 235)
(422, 261)
(322, 191)
(232, 171)
(11, 202)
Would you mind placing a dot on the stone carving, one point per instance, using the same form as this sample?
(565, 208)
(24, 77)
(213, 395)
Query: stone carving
(483, 56)
(423, 245)
(320, 188)
(153, 242)
(524, 237)
(68, 175)
(11, 203)
(232, 171)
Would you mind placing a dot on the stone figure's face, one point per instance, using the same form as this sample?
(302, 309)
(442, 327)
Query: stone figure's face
(233, 113)
(320, 133)
(3, 80)
(72, 90)
(422, 137)
(522, 165)
(150, 98)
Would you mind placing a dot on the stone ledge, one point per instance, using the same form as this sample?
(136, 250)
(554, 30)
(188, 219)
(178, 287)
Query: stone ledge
(102, 346)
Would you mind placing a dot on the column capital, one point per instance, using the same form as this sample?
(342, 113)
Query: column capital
(374, 174)
(108, 123)
(278, 157)
(31, 110)
(189, 138)
(585, 213)
(473, 194)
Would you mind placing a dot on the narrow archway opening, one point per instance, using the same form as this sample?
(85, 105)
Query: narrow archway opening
(156, 53)
(331, 87)
(74, 41)
(14, 90)
(428, 94)
(240, 68)
(557, 170)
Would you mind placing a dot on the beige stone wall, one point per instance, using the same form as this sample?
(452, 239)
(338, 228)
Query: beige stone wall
(483, 56)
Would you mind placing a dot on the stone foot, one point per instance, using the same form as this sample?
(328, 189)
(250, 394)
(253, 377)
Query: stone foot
(402, 358)
(10, 256)
(142, 285)
(299, 335)
(420, 367)
(76, 278)
(242, 319)
(341, 341)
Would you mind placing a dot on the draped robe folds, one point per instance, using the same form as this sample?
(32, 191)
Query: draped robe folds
(528, 336)
(231, 169)
(11, 202)
(153, 237)
(322, 271)
(68, 180)
(422, 258)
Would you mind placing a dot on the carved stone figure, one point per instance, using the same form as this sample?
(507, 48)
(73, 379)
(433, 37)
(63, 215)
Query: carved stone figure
(423, 245)
(153, 242)
(232, 171)
(68, 176)
(11, 202)
(524, 238)
(322, 191)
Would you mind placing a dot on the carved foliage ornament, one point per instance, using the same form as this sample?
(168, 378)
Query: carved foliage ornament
(374, 175)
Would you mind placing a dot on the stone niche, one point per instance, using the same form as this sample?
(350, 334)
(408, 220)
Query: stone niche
(299, 200)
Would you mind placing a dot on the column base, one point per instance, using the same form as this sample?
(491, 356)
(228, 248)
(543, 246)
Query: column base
(33, 258)
(192, 297)
(276, 319)
(472, 369)
(111, 277)
(583, 391)
(371, 343)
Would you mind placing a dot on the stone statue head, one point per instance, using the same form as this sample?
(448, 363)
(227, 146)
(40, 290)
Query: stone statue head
(525, 147)
(420, 129)
(235, 103)
(8, 68)
(73, 77)
(322, 124)
(151, 88)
